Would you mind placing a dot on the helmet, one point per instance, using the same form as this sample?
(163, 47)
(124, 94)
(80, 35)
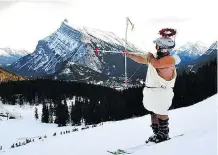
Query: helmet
(165, 43)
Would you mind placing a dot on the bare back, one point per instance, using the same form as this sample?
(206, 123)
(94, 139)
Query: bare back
(165, 67)
(166, 73)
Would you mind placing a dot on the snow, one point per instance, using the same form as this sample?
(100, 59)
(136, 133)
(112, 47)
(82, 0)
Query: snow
(193, 49)
(80, 73)
(213, 48)
(70, 63)
(198, 123)
(214, 45)
(109, 37)
(191, 66)
(68, 43)
(106, 36)
(11, 113)
(3, 53)
(60, 40)
(11, 52)
(66, 71)
(99, 83)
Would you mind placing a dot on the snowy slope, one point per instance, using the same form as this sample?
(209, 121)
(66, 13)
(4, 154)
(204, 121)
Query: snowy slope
(5, 112)
(197, 122)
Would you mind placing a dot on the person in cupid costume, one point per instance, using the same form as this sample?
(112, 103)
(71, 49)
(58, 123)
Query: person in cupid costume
(160, 80)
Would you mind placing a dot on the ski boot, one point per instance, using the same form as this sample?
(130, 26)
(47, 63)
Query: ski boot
(155, 128)
(162, 134)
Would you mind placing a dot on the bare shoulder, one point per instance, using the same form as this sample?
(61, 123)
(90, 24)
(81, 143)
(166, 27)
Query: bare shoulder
(169, 59)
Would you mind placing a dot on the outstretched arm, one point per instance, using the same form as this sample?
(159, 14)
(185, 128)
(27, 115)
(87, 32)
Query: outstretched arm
(137, 58)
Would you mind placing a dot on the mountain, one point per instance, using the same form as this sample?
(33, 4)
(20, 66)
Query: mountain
(74, 72)
(77, 72)
(73, 45)
(77, 45)
(209, 55)
(190, 51)
(9, 56)
(212, 51)
(6, 75)
(198, 123)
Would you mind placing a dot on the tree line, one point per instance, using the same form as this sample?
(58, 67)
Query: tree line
(67, 102)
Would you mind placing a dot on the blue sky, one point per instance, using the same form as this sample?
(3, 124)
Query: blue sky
(23, 23)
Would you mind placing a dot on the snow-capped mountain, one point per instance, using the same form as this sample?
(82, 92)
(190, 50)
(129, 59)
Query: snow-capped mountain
(209, 55)
(190, 51)
(69, 44)
(77, 46)
(9, 56)
(212, 49)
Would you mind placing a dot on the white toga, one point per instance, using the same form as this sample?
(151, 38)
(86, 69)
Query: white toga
(158, 99)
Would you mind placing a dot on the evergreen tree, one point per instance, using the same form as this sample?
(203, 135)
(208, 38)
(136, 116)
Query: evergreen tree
(66, 111)
(76, 112)
(51, 112)
(45, 113)
(21, 100)
(190, 88)
(61, 113)
(36, 114)
(72, 115)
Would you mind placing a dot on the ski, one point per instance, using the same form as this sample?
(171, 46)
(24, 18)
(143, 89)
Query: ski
(135, 148)
(147, 142)
(119, 152)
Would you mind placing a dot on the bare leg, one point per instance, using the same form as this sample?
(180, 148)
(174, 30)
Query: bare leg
(154, 126)
(154, 119)
(163, 117)
(154, 123)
